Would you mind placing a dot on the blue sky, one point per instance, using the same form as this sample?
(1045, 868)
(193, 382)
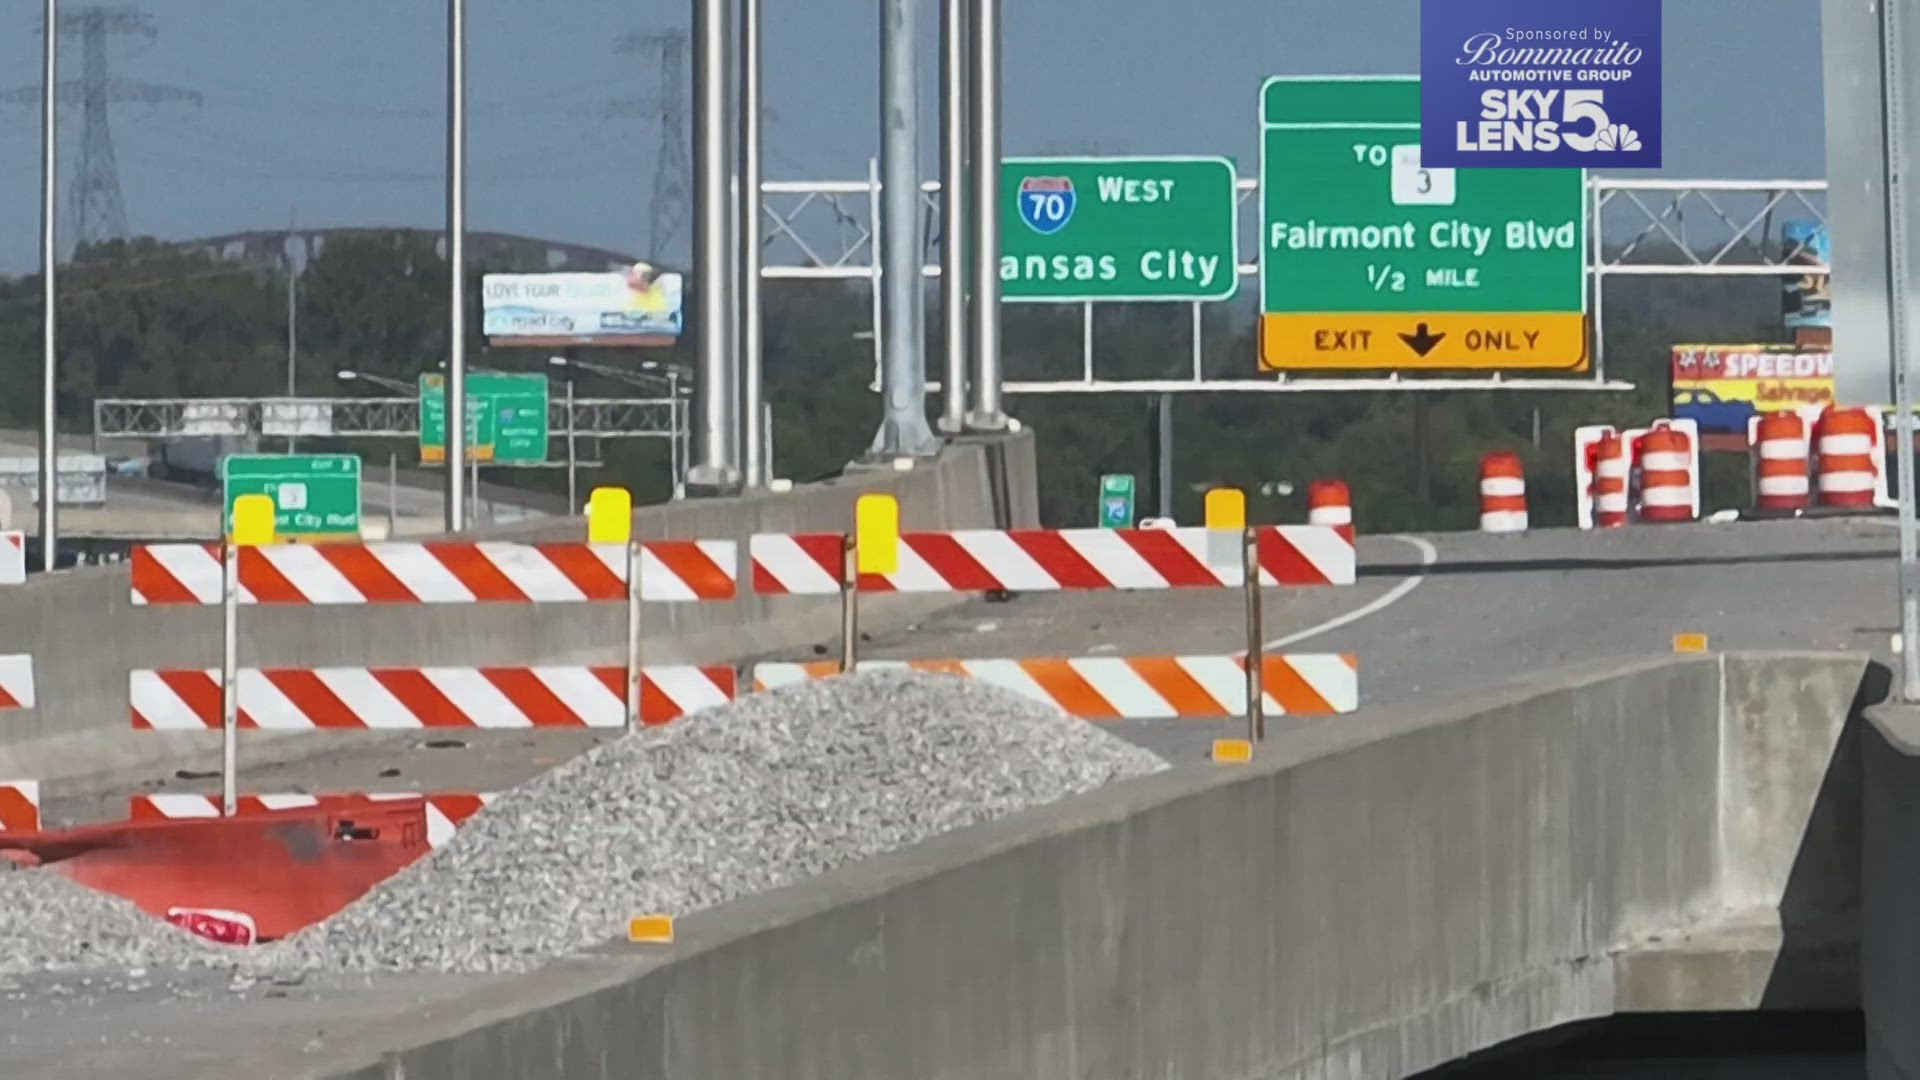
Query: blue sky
(331, 111)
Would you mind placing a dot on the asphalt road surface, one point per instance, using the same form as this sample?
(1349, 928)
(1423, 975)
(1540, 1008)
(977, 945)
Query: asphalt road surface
(1432, 615)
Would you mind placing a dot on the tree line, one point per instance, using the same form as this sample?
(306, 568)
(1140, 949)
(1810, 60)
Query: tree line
(144, 318)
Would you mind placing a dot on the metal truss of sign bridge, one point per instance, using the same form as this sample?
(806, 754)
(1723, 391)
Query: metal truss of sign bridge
(823, 230)
(186, 418)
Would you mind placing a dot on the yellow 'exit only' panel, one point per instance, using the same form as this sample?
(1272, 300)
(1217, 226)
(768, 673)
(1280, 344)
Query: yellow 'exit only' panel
(1429, 341)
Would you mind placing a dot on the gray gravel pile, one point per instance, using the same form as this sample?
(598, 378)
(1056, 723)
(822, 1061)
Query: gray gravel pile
(48, 923)
(764, 792)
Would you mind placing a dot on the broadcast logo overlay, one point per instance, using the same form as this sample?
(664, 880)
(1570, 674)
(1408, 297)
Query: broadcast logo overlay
(1570, 84)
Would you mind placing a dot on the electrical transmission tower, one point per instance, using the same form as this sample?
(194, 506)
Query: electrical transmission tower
(672, 170)
(99, 212)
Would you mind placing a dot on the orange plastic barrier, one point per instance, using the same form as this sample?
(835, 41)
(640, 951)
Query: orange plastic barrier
(282, 870)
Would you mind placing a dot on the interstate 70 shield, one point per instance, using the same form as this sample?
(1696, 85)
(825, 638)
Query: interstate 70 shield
(1046, 203)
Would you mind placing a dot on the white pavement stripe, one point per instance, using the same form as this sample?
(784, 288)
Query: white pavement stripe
(1428, 556)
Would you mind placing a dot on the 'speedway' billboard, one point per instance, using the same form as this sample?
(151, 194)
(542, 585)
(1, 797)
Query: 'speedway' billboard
(617, 307)
(1721, 386)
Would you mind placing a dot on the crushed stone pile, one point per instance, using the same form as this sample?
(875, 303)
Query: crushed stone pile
(766, 791)
(49, 923)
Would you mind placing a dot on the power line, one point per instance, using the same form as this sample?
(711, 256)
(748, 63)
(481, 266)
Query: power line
(99, 209)
(672, 169)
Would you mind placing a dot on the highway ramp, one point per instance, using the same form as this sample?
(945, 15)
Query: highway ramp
(1457, 612)
(1441, 614)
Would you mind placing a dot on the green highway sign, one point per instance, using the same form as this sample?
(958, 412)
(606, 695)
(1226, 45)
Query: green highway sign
(1116, 501)
(1118, 228)
(506, 418)
(315, 496)
(1369, 261)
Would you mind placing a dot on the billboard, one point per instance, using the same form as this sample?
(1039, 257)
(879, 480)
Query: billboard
(1722, 386)
(1807, 300)
(638, 305)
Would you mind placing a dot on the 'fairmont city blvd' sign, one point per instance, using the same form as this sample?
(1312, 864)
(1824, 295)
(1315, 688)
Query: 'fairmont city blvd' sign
(1368, 261)
(1078, 229)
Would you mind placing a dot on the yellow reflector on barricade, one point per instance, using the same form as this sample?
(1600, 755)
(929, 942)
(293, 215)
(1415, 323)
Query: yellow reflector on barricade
(876, 534)
(253, 520)
(1227, 509)
(609, 516)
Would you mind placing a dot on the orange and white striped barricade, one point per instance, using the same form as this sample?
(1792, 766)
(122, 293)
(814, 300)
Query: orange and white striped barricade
(1669, 486)
(412, 698)
(19, 806)
(445, 572)
(445, 811)
(1601, 471)
(16, 681)
(1777, 443)
(1503, 493)
(1134, 688)
(1049, 560)
(1228, 554)
(13, 557)
(1845, 440)
(1330, 503)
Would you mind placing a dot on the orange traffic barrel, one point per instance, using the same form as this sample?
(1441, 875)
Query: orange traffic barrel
(1666, 474)
(1608, 459)
(1503, 493)
(1780, 462)
(1844, 440)
(1329, 503)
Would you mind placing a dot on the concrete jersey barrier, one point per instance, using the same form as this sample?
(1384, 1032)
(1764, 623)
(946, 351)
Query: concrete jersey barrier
(85, 635)
(1375, 895)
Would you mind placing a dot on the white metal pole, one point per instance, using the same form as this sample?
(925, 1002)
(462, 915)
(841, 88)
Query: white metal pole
(983, 239)
(903, 373)
(293, 334)
(715, 465)
(230, 677)
(50, 309)
(953, 214)
(456, 386)
(573, 487)
(1893, 84)
(753, 466)
(633, 635)
(1086, 342)
(393, 494)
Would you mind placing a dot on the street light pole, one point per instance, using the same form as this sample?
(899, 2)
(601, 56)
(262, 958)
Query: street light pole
(573, 488)
(456, 408)
(49, 310)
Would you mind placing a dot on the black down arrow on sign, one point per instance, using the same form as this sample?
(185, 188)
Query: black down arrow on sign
(1422, 342)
